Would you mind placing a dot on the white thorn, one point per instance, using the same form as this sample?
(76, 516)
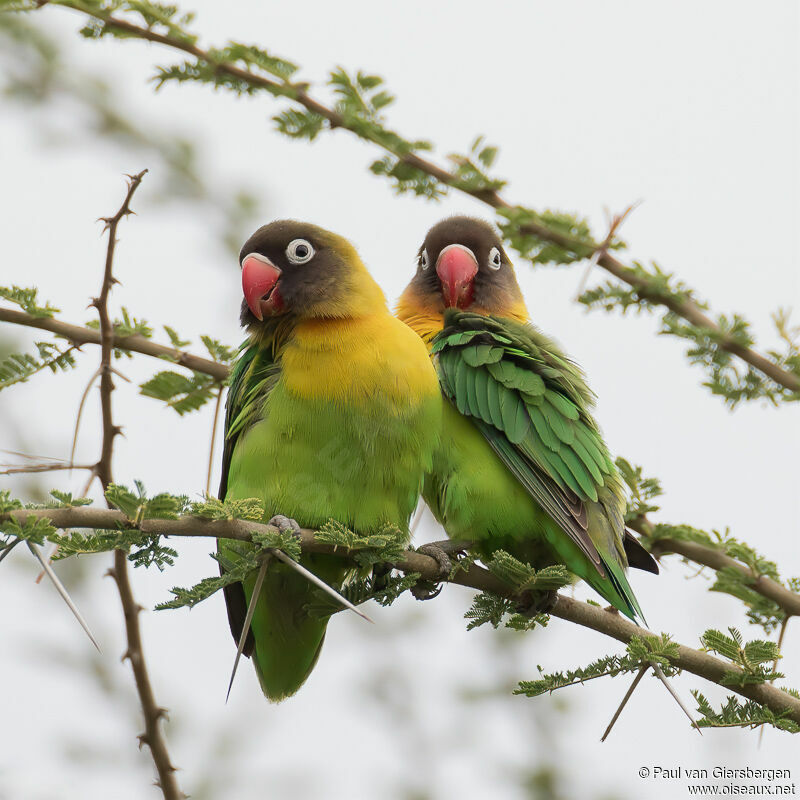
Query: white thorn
(247, 620)
(310, 576)
(63, 592)
(663, 678)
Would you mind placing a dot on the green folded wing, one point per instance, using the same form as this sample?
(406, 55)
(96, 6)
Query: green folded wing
(254, 375)
(533, 407)
(252, 378)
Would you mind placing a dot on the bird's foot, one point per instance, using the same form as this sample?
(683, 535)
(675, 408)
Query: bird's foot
(381, 573)
(427, 590)
(531, 603)
(286, 525)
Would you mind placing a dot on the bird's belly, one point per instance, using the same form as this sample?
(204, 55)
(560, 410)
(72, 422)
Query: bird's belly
(476, 498)
(315, 460)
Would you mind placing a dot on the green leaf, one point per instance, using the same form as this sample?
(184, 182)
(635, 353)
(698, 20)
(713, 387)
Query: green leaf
(181, 393)
(735, 714)
(26, 299)
(251, 508)
(386, 545)
(18, 367)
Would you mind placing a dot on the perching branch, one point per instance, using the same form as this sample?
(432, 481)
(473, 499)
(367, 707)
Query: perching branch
(684, 307)
(473, 576)
(153, 736)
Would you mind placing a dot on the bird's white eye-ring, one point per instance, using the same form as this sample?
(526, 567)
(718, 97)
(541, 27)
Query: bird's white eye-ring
(424, 261)
(495, 260)
(299, 251)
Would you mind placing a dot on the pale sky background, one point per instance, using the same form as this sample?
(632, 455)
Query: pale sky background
(692, 108)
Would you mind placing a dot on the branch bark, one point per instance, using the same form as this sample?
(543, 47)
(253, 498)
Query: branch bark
(79, 334)
(475, 577)
(153, 736)
(686, 309)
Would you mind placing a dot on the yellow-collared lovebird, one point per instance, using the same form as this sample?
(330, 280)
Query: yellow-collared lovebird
(333, 413)
(522, 466)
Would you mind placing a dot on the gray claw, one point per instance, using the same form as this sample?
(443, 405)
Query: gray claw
(285, 524)
(436, 552)
(427, 590)
(532, 603)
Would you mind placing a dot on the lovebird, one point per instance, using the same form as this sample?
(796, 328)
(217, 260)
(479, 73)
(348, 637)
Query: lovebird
(333, 412)
(522, 465)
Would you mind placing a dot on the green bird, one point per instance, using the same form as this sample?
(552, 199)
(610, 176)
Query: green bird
(333, 412)
(522, 465)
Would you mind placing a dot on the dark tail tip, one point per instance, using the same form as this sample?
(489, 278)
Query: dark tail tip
(638, 557)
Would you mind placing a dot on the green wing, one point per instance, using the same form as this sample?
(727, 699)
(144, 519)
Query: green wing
(533, 407)
(254, 374)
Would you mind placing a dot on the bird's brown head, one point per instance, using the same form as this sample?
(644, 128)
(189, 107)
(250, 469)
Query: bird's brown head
(462, 264)
(295, 268)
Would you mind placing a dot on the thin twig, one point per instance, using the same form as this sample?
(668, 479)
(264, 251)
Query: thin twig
(153, 736)
(43, 468)
(95, 376)
(779, 645)
(613, 225)
(217, 406)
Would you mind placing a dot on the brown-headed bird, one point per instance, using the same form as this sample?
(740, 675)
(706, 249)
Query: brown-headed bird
(333, 413)
(522, 465)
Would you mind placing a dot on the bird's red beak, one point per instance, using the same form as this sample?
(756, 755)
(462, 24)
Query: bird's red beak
(456, 268)
(260, 285)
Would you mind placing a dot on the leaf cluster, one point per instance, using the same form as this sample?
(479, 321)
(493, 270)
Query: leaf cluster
(750, 657)
(641, 651)
(383, 589)
(735, 714)
(641, 490)
(184, 393)
(26, 298)
(18, 367)
(127, 325)
(383, 547)
(518, 225)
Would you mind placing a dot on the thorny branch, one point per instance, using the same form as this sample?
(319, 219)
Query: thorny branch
(298, 93)
(472, 576)
(153, 736)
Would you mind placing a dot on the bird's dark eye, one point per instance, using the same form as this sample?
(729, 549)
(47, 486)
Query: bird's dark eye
(495, 259)
(423, 260)
(299, 251)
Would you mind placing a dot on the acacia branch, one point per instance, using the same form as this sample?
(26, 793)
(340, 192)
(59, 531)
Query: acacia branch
(153, 736)
(79, 334)
(297, 92)
(472, 576)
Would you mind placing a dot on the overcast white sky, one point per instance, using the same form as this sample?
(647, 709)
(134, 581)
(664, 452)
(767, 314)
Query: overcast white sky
(692, 108)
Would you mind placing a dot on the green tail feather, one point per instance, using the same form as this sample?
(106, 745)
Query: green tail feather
(287, 640)
(616, 589)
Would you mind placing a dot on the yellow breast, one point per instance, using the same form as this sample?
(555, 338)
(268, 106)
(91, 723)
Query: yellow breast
(363, 360)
